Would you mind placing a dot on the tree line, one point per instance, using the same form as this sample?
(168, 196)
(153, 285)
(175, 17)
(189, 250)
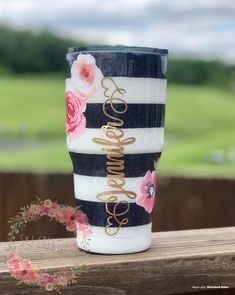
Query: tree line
(27, 52)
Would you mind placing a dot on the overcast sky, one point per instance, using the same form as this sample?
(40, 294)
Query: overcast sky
(200, 28)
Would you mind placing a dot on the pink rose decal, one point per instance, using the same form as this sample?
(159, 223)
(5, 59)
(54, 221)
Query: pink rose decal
(146, 193)
(85, 75)
(85, 80)
(75, 121)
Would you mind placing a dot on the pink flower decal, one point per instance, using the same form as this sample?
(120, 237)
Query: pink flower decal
(75, 121)
(21, 269)
(74, 220)
(86, 76)
(85, 80)
(146, 193)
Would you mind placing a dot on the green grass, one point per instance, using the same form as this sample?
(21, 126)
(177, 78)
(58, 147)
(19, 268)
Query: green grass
(199, 120)
(32, 106)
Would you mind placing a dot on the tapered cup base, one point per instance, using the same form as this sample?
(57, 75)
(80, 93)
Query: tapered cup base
(126, 240)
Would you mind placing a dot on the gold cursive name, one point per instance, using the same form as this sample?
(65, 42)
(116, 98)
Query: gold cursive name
(114, 147)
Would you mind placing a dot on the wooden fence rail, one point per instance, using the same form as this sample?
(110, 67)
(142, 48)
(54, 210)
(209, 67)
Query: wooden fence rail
(178, 262)
(182, 202)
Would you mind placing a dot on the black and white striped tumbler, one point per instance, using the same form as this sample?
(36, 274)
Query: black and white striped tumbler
(115, 100)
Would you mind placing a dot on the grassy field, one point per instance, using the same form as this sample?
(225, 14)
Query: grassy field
(200, 128)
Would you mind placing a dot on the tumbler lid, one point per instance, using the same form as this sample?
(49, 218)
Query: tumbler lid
(119, 48)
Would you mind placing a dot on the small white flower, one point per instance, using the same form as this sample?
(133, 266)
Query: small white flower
(85, 75)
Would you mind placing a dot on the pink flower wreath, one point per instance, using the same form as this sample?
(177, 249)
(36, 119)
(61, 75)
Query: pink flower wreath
(21, 269)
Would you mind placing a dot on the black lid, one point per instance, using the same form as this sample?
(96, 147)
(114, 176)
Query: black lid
(118, 48)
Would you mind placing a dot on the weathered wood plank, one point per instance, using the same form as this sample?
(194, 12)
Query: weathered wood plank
(175, 262)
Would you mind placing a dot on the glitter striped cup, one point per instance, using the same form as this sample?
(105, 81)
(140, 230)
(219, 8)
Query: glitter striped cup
(115, 98)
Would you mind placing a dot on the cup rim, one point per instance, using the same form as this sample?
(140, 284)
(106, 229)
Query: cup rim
(118, 48)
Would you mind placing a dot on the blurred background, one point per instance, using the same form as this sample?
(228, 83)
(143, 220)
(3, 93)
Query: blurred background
(197, 169)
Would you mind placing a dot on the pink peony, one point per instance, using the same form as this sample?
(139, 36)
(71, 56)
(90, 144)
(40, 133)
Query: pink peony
(67, 215)
(74, 220)
(76, 121)
(146, 193)
(21, 269)
(85, 75)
